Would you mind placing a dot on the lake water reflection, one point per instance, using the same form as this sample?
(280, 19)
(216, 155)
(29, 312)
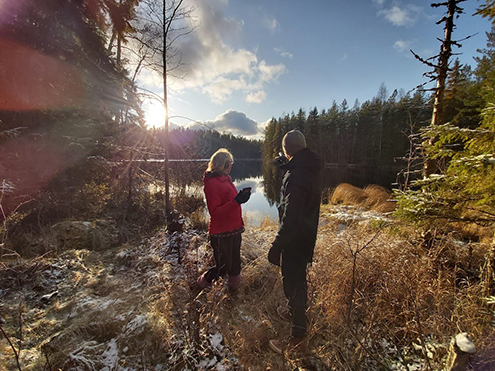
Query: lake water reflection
(265, 181)
(258, 207)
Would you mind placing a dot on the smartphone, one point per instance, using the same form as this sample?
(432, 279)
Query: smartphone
(247, 189)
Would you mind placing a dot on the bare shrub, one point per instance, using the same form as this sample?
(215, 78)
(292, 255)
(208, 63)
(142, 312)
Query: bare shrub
(347, 194)
(189, 201)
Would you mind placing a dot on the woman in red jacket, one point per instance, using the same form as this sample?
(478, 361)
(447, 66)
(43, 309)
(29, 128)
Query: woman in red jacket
(225, 225)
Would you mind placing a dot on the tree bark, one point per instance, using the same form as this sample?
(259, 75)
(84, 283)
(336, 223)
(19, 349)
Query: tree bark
(430, 165)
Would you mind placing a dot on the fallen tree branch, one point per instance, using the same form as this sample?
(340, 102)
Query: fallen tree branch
(16, 354)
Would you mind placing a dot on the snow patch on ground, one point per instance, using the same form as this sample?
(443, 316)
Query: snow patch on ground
(351, 214)
(136, 326)
(110, 356)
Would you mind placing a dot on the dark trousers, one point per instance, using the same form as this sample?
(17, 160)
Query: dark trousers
(296, 291)
(227, 254)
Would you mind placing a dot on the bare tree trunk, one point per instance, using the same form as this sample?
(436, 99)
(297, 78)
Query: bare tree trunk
(168, 208)
(430, 166)
(119, 50)
(175, 8)
(156, 20)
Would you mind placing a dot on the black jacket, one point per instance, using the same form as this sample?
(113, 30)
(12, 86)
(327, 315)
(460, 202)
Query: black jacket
(299, 208)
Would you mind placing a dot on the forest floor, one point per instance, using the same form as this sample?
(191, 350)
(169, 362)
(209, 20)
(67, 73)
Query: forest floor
(132, 307)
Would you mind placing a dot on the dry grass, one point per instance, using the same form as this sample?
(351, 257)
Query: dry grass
(348, 194)
(378, 199)
(390, 290)
(372, 197)
(474, 232)
(375, 300)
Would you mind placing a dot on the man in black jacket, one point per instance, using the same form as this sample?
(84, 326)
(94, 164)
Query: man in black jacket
(294, 244)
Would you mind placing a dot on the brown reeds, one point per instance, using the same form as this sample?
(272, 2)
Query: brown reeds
(372, 197)
(348, 194)
(378, 199)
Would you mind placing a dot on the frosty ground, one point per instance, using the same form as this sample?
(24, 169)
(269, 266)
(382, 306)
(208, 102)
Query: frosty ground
(132, 307)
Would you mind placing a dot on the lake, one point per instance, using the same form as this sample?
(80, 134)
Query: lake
(265, 181)
(258, 207)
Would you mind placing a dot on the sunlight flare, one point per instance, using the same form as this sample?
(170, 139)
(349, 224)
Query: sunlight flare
(154, 114)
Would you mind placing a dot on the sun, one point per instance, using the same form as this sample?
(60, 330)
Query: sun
(154, 114)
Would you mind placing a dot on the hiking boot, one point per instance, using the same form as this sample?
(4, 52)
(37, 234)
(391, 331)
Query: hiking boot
(292, 344)
(284, 313)
(234, 282)
(200, 286)
(203, 282)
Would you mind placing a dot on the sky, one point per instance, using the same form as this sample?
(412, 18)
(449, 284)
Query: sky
(248, 61)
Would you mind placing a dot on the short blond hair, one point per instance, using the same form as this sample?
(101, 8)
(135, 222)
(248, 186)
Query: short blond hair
(293, 142)
(220, 160)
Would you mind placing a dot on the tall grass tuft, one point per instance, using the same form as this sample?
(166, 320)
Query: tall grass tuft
(372, 197)
(371, 290)
(348, 194)
(378, 199)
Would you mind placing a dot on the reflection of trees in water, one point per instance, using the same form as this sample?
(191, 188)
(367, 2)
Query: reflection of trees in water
(245, 169)
(272, 181)
(187, 173)
(332, 177)
(182, 174)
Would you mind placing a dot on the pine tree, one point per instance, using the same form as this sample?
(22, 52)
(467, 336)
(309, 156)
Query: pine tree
(465, 191)
(313, 130)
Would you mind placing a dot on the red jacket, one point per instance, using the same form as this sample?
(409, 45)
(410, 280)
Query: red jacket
(225, 212)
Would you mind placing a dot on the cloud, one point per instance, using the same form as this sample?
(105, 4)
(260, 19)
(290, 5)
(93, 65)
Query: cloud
(403, 45)
(271, 23)
(268, 73)
(256, 97)
(283, 53)
(220, 89)
(151, 79)
(230, 121)
(215, 67)
(402, 15)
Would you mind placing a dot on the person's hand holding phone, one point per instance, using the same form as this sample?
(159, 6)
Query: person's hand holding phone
(243, 195)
